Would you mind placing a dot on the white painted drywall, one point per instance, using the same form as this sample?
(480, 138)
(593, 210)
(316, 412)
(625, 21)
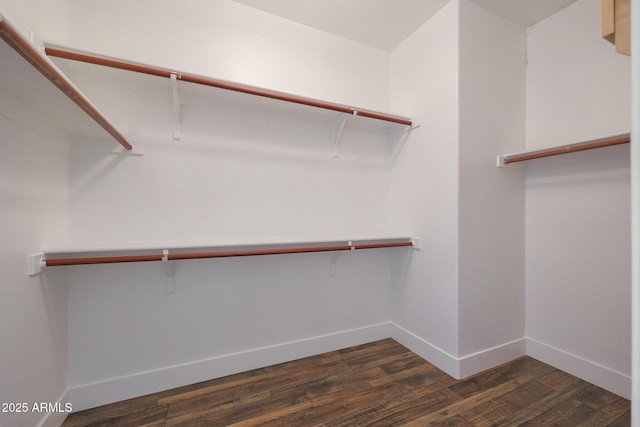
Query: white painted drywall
(47, 19)
(242, 169)
(231, 41)
(577, 206)
(33, 212)
(577, 86)
(491, 216)
(460, 301)
(33, 310)
(635, 220)
(424, 76)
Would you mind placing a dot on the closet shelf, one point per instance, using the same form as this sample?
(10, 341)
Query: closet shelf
(20, 57)
(505, 159)
(170, 251)
(91, 58)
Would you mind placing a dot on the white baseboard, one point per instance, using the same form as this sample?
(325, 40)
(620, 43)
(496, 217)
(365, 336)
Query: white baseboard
(87, 396)
(492, 357)
(460, 367)
(607, 378)
(55, 419)
(429, 352)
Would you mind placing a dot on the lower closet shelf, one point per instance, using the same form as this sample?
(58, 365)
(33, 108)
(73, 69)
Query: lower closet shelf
(87, 255)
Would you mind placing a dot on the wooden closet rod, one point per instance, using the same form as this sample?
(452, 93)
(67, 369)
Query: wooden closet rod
(160, 72)
(589, 145)
(225, 254)
(41, 63)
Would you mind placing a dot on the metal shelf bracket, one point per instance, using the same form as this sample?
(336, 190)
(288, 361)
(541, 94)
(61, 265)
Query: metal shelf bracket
(336, 140)
(169, 269)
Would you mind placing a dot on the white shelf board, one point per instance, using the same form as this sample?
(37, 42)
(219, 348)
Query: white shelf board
(177, 246)
(159, 89)
(29, 98)
(558, 149)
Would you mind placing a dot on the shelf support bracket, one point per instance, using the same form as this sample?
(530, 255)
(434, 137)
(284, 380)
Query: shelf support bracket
(177, 134)
(336, 255)
(169, 269)
(336, 140)
(334, 261)
(410, 128)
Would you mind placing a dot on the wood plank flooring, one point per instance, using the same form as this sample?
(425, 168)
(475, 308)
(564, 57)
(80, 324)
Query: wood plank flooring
(376, 384)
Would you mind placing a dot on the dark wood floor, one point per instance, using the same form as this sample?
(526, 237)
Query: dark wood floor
(377, 384)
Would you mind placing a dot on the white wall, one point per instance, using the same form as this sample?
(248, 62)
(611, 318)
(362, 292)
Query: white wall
(239, 171)
(47, 19)
(424, 77)
(33, 196)
(33, 310)
(635, 212)
(33, 200)
(227, 40)
(491, 254)
(242, 169)
(577, 206)
(457, 303)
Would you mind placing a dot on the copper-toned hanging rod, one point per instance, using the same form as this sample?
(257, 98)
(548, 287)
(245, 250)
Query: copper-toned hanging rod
(382, 245)
(590, 145)
(222, 254)
(41, 63)
(130, 66)
(101, 260)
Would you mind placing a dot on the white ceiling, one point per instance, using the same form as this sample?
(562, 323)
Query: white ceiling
(385, 23)
(524, 12)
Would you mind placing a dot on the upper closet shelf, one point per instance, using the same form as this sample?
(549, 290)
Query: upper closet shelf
(71, 57)
(505, 159)
(21, 77)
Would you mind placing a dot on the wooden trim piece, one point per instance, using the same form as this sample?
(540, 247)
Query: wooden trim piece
(607, 20)
(566, 149)
(41, 63)
(130, 66)
(623, 27)
(221, 254)
(615, 24)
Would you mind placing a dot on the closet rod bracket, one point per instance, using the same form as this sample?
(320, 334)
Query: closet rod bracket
(416, 243)
(36, 263)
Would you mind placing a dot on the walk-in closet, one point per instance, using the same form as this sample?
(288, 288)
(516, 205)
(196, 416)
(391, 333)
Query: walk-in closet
(198, 189)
